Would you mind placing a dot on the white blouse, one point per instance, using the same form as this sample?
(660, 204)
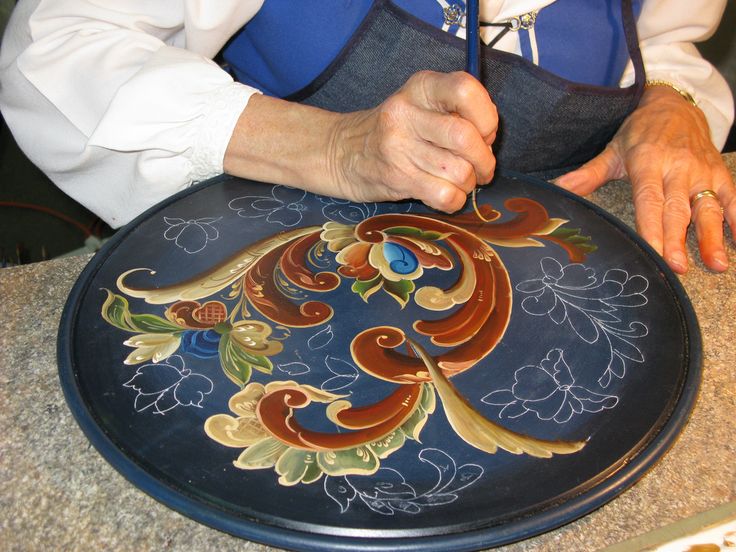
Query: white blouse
(120, 103)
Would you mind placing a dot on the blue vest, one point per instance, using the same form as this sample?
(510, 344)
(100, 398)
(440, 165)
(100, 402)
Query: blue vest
(289, 43)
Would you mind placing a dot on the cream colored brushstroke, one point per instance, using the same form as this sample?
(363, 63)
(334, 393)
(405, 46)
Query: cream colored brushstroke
(436, 299)
(480, 432)
(215, 280)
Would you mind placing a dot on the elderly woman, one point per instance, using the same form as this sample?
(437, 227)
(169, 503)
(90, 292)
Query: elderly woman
(120, 103)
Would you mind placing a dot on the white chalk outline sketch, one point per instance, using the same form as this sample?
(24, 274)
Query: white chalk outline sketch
(387, 492)
(321, 339)
(201, 231)
(590, 306)
(162, 386)
(549, 391)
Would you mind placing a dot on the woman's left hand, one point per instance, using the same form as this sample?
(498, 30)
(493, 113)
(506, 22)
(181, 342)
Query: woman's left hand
(665, 151)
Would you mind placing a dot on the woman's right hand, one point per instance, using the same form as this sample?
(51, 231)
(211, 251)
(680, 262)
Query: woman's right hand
(429, 141)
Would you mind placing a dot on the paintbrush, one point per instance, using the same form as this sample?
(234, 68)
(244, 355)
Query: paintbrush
(472, 58)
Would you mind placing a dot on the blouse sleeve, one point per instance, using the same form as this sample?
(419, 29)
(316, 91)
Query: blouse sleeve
(119, 101)
(667, 30)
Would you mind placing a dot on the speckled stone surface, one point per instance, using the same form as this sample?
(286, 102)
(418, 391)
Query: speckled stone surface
(56, 491)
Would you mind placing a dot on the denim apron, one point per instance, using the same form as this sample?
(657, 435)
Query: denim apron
(547, 124)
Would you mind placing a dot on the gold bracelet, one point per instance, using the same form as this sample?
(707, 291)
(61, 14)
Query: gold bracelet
(684, 93)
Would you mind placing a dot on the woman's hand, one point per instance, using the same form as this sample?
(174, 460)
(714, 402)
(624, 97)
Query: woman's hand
(664, 149)
(428, 141)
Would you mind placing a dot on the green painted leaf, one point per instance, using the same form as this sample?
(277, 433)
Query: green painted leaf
(366, 288)
(238, 363)
(428, 235)
(401, 290)
(391, 443)
(359, 460)
(116, 311)
(573, 237)
(428, 400)
(150, 323)
(295, 464)
(235, 367)
(264, 454)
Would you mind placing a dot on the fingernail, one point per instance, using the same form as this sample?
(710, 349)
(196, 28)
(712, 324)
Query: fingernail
(568, 181)
(678, 261)
(720, 260)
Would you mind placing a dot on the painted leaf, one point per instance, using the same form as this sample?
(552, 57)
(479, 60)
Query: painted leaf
(359, 460)
(115, 311)
(150, 323)
(572, 237)
(401, 290)
(413, 232)
(264, 454)
(366, 288)
(391, 443)
(294, 465)
(235, 362)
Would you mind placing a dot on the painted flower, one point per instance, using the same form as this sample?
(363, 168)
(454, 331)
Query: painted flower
(549, 391)
(283, 206)
(191, 235)
(163, 386)
(391, 264)
(299, 464)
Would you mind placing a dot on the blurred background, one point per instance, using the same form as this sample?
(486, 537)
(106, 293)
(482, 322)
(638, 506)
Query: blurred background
(38, 222)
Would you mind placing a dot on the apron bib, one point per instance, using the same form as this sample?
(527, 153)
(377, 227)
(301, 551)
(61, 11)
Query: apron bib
(548, 125)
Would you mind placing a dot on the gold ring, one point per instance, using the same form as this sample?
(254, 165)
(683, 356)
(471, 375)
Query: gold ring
(700, 195)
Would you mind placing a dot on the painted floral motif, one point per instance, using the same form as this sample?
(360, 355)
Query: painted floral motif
(388, 493)
(282, 206)
(163, 386)
(191, 235)
(391, 264)
(201, 330)
(549, 391)
(300, 455)
(573, 295)
(229, 312)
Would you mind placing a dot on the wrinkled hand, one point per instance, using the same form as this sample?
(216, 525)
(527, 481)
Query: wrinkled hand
(664, 149)
(428, 141)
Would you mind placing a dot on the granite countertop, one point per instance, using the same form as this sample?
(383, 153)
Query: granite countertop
(57, 492)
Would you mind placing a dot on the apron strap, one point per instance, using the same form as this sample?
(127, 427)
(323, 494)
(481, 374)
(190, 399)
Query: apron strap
(632, 42)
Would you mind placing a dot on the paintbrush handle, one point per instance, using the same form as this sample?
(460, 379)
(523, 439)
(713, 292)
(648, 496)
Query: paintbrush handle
(472, 40)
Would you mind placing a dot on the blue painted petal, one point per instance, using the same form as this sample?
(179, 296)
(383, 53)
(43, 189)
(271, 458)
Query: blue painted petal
(200, 343)
(400, 259)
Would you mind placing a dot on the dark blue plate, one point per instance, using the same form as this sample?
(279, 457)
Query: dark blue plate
(317, 374)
